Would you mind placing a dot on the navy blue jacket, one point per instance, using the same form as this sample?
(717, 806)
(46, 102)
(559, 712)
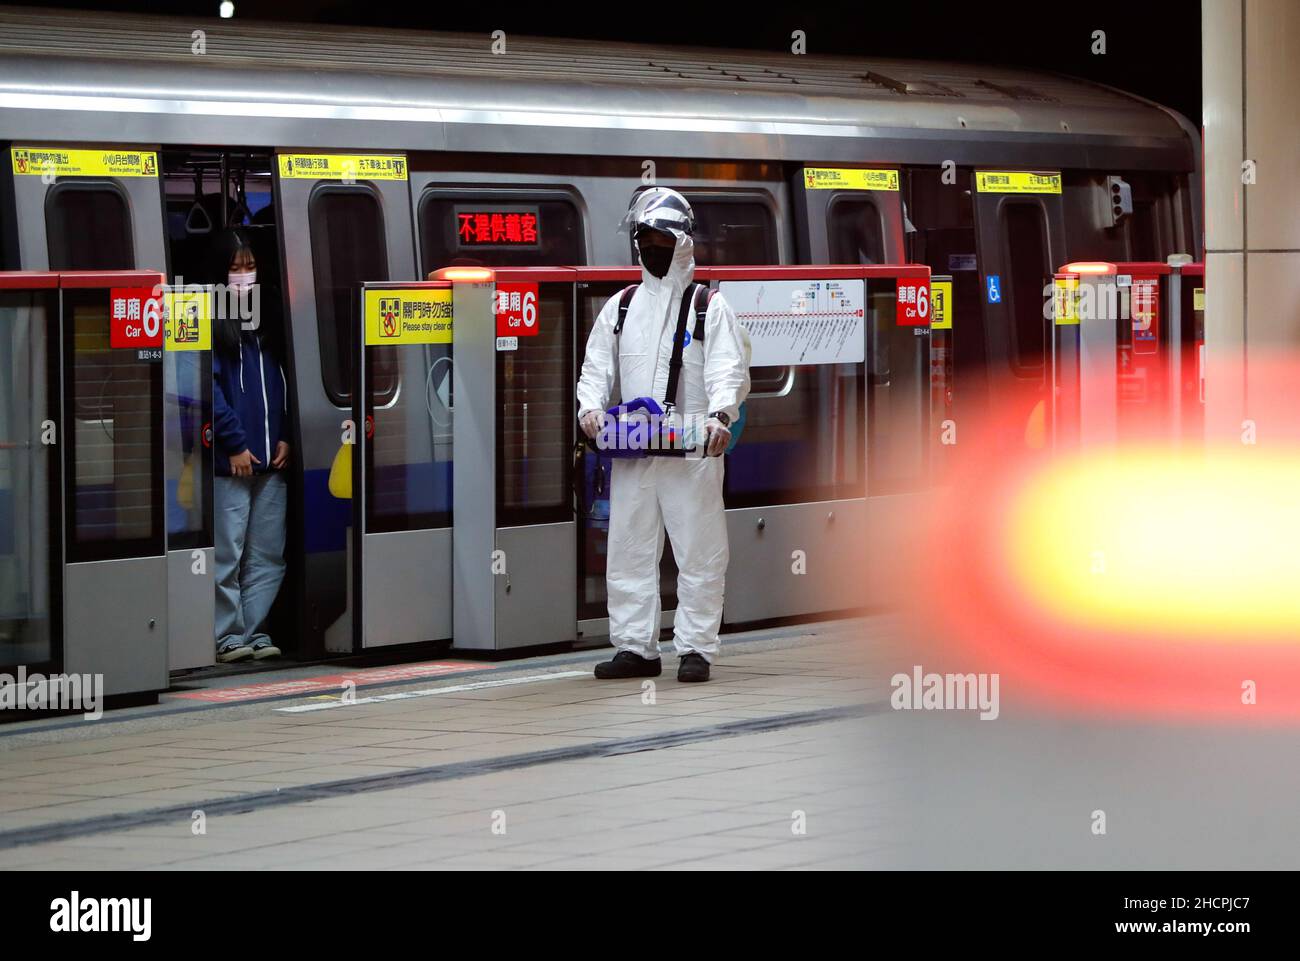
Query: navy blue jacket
(250, 406)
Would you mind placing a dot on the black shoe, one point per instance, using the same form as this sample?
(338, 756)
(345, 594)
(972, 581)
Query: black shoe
(627, 664)
(692, 668)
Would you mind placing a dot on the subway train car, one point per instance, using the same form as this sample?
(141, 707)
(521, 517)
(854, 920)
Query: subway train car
(357, 155)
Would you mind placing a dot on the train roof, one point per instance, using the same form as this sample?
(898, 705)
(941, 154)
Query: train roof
(296, 80)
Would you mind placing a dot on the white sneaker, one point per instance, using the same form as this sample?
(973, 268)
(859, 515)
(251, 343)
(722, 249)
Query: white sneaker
(233, 650)
(262, 648)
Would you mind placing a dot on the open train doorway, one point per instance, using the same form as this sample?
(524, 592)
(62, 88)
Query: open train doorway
(219, 207)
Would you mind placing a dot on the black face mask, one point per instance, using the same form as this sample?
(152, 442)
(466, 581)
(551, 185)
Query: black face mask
(656, 260)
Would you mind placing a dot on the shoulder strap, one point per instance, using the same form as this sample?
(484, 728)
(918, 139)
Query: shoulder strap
(679, 344)
(624, 302)
(701, 309)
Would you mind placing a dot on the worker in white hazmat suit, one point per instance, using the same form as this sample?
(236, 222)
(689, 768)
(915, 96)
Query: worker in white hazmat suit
(683, 494)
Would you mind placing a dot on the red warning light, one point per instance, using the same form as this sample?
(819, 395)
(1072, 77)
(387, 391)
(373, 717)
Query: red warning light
(1088, 267)
(464, 275)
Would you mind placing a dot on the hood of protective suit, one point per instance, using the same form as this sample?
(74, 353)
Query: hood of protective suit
(680, 272)
(634, 362)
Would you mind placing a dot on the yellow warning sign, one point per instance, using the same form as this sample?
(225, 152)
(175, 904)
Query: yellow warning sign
(1017, 182)
(1198, 298)
(1065, 300)
(940, 304)
(849, 178)
(334, 166)
(102, 162)
(188, 315)
(407, 316)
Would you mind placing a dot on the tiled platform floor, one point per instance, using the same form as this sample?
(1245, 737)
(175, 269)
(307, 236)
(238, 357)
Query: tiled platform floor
(700, 790)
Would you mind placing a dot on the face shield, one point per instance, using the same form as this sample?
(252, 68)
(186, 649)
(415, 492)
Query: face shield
(658, 221)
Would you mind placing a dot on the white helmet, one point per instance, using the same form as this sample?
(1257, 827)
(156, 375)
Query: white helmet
(659, 208)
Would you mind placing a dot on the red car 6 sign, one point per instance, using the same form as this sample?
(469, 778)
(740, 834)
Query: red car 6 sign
(516, 310)
(913, 303)
(135, 318)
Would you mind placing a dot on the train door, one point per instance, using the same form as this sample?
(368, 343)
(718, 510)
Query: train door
(344, 220)
(115, 570)
(849, 215)
(837, 416)
(402, 401)
(31, 503)
(524, 500)
(513, 541)
(1019, 224)
(940, 212)
(188, 460)
(205, 192)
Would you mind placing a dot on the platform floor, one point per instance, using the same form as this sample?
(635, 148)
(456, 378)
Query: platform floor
(776, 763)
(791, 758)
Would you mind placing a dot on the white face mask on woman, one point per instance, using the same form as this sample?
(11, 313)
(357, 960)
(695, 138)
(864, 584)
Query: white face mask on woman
(245, 283)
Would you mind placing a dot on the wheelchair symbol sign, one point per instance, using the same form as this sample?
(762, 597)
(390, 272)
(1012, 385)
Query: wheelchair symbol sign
(995, 289)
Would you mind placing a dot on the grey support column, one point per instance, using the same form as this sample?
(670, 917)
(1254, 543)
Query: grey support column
(473, 506)
(1251, 82)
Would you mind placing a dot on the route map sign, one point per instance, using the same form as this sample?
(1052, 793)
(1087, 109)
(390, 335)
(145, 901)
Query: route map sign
(800, 321)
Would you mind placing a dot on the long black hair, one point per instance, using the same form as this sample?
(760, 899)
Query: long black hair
(226, 328)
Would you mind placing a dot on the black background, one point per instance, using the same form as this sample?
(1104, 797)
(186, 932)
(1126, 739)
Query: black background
(381, 915)
(1152, 49)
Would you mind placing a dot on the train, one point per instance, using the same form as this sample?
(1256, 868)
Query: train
(991, 176)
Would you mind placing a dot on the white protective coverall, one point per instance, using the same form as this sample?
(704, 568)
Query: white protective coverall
(683, 494)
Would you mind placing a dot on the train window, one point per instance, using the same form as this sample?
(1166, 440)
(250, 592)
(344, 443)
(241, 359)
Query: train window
(499, 228)
(408, 453)
(803, 439)
(1143, 232)
(88, 227)
(114, 502)
(1024, 231)
(733, 230)
(347, 248)
(857, 231)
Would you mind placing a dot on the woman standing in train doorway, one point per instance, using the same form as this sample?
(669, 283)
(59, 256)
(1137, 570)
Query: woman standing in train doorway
(251, 430)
